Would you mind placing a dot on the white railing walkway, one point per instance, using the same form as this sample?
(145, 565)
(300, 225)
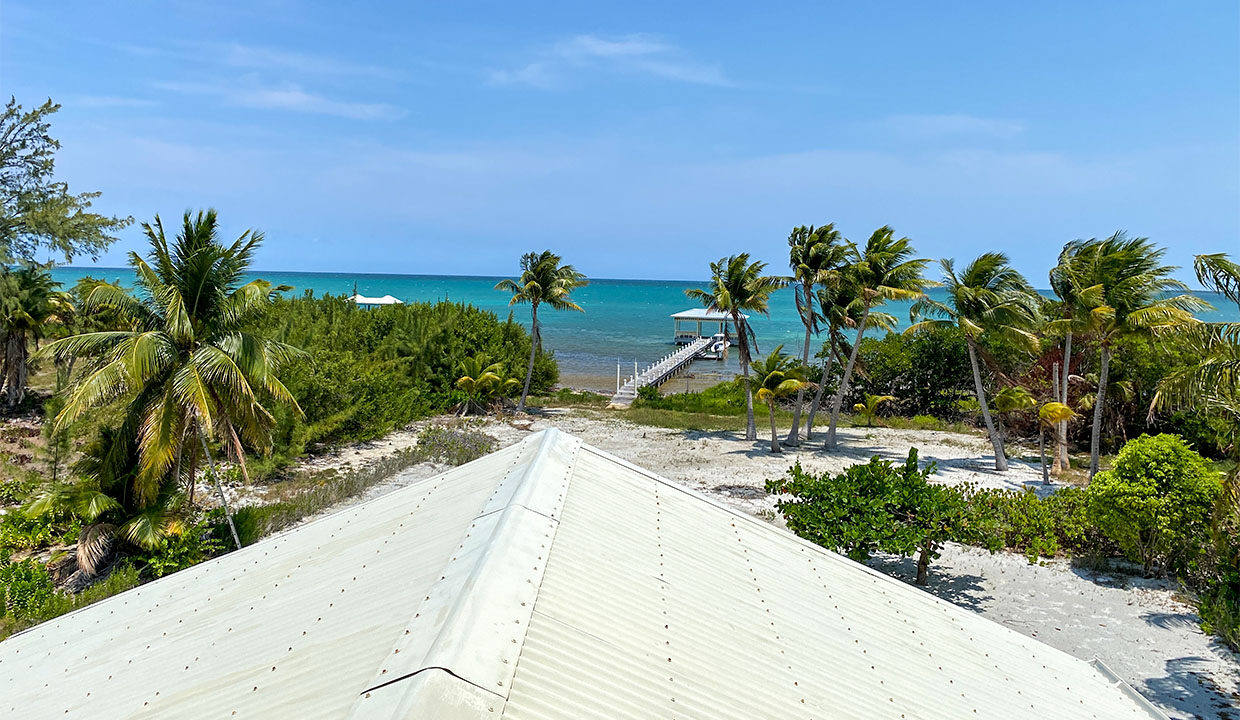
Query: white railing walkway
(660, 370)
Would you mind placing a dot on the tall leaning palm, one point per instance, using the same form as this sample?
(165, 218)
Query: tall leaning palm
(182, 365)
(989, 296)
(840, 306)
(1127, 292)
(543, 280)
(815, 256)
(737, 286)
(883, 270)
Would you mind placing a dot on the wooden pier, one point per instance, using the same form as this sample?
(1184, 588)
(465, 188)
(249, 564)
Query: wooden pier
(660, 371)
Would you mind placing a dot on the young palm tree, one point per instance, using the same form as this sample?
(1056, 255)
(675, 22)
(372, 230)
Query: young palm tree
(777, 376)
(737, 286)
(815, 255)
(105, 497)
(883, 270)
(182, 365)
(990, 296)
(1051, 415)
(840, 306)
(1127, 292)
(482, 383)
(543, 280)
(28, 301)
(868, 410)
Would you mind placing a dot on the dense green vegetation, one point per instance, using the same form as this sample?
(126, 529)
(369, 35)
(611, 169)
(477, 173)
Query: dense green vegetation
(363, 373)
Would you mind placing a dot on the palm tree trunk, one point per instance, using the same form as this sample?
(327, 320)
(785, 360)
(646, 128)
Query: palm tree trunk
(742, 342)
(529, 369)
(1061, 432)
(794, 434)
(843, 389)
(1046, 478)
(923, 563)
(219, 487)
(995, 440)
(774, 432)
(1096, 435)
(15, 367)
(822, 385)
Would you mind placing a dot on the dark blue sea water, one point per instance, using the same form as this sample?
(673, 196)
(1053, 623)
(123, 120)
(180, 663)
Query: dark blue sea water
(624, 320)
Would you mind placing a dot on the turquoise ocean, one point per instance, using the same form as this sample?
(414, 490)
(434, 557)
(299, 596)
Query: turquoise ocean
(624, 320)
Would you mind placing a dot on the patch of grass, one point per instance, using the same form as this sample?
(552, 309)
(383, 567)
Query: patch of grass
(681, 420)
(567, 397)
(929, 422)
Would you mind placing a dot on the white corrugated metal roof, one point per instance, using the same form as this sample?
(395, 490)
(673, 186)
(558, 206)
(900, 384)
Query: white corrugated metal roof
(704, 314)
(548, 580)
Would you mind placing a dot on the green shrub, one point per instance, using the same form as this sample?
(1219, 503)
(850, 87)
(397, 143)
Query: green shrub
(195, 544)
(927, 371)
(726, 398)
(1155, 503)
(1038, 527)
(451, 445)
(25, 587)
(649, 393)
(876, 506)
(54, 604)
(18, 531)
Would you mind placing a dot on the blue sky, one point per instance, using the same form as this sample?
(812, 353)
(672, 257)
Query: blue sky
(643, 139)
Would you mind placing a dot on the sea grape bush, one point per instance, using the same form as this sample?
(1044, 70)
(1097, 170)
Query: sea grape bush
(876, 506)
(1155, 503)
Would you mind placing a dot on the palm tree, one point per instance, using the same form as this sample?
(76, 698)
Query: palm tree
(840, 305)
(1051, 415)
(1073, 315)
(543, 280)
(815, 255)
(105, 496)
(737, 286)
(777, 376)
(1127, 292)
(182, 365)
(868, 410)
(990, 296)
(482, 382)
(28, 301)
(883, 270)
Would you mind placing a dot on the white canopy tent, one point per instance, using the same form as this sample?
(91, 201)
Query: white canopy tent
(367, 302)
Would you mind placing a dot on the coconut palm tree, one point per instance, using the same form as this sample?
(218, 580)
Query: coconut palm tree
(883, 270)
(777, 376)
(868, 410)
(1073, 315)
(105, 495)
(181, 365)
(482, 382)
(737, 286)
(28, 301)
(543, 280)
(815, 256)
(839, 304)
(1126, 291)
(1051, 415)
(989, 296)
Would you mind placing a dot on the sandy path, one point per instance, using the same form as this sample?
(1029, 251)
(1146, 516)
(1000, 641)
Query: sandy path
(1137, 627)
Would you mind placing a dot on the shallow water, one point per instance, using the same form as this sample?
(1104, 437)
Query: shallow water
(624, 320)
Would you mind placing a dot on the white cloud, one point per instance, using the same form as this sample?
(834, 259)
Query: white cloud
(635, 54)
(264, 58)
(249, 93)
(952, 126)
(107, 101)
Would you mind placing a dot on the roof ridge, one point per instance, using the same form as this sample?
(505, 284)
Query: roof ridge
(471, 625)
